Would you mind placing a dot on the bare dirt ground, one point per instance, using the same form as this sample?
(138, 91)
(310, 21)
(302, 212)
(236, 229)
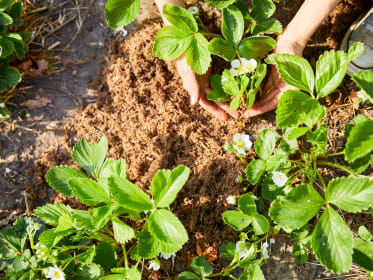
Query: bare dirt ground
(139, 103)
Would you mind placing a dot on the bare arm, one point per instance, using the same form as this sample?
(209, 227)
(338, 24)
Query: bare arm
(292, 41)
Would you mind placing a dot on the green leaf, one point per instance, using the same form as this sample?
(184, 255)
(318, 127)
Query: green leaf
(299, 253)
(187, 275)
(260, 224)
(255, 170)
(359, 142)
(15, 9)
(171, 42)
(166, 227)
(122, 232)
(50, 213)
(100, 216)
(90, 157)
(256, 47)
(5, 19)
(105, 256)
(88, 191)
(247, 204)
(13, 77)
(91, 271)
(252, 273)
(180, 18)
(129, 195)
(4, 4)
(362, 254)
(262, 9)
(297, 208)
(227, 251)
(235, 103)
(332, 242)
(242, 6)
(166, 185)
(58, 177)
(222, 48)
(4, 112)
(121, 12)
(361, 164)
(230, 85)
(269, 26)
(269, 190)
(201, 266)
(218, 93)
(6, 47)
(19, 45)
(197, 54)
(301, 233)
(220, 4)
(295, 132)
(319, 138)
(259, 76)
(364, 79)
(168, 248)
(232, 26)
(266, 142)
(350, 193)
(355, 51)
(237, 220)
(364, 233)
(277, 161)
(296, 107)
(147, 246)
(113, 167)
(356, 120)
(330, 70)
(88, 256)
(294, 70)
(51, 237)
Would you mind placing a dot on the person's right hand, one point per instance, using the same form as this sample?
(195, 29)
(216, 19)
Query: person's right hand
(198, 87)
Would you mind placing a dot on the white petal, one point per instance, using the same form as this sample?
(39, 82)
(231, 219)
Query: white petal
(234, 72)
(253, 62)
(241, 151)
(237, 137)
(279, 178)
(246, 140)
(236, 63)
(245, 62)
(231, 200)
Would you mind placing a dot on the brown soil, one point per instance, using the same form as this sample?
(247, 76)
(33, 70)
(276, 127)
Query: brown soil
(144, 111)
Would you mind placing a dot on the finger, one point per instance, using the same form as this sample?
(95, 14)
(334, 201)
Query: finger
(190, 81)
(233, 113)
(264, 105)
(212, 108)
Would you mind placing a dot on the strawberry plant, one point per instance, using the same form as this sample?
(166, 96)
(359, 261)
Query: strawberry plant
(12, 45)
(122, 229)
(242, 42)
(304, 203)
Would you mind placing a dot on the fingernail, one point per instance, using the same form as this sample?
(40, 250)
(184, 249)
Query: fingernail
(193, 100)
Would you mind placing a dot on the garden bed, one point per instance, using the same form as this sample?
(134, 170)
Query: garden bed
(145, 113)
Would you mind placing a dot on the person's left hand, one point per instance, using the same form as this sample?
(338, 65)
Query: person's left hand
(198, 87)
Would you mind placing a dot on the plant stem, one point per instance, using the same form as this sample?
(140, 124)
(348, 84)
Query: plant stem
(209, 34)
(125, 255)
(319, 175)
(327, 163)
(335, 154)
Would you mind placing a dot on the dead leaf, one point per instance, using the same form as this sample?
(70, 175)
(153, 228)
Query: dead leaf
(38, 102)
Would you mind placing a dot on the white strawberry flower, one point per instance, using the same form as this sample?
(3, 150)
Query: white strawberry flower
(122, 30)
(243, 66)
(154, 265)
(265, 250)
(279, 178)
(54, 273)
(193, 10)
(241, 249)
(362, 95)
(241, 143)
(231, 199)
(77, 225)
(168, 256)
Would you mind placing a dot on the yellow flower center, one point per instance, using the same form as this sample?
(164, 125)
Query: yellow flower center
(250, 67)
(56, 275)
(240, 69)
(240, 144)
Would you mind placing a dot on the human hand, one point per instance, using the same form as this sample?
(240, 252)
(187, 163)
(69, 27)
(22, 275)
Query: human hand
(198, 87)
(275, 86)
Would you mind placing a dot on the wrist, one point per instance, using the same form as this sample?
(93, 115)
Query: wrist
(289, 42)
